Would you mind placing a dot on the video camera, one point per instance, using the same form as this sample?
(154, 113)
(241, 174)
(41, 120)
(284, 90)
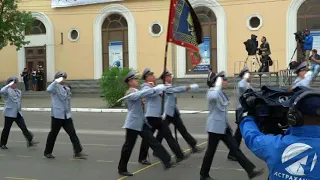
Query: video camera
(251, 45)
(299, 36)
(268, 105)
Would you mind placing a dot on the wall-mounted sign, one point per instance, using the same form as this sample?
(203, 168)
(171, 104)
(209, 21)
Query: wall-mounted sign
(205, 55)
(115, 54)
(69, 3)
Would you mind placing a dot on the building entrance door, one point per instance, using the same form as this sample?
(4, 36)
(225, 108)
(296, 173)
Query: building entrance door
(36, 61)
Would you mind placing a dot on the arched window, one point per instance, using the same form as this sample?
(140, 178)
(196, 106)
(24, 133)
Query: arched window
(115, 39)
(38, 28)
(309, 15)
(209, 27)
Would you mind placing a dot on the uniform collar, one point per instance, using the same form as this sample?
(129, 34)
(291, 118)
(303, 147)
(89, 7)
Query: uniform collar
(306, 131)
(148, 84)
(135, 89)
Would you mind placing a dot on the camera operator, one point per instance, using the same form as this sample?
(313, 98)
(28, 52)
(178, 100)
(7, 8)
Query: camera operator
(264, 46)
(242, 86)
(218, 129)
(304, 76)
(315, 63)
(307, 44)
(251, 45)
(294, 154)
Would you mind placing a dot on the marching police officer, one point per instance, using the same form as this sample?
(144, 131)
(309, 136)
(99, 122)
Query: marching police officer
(153, 115)
(292, 155)
(304, 76)
(136, 124)
(219, 129)
(61, 116)
(242, 86)
(171, 112)
(12, 113)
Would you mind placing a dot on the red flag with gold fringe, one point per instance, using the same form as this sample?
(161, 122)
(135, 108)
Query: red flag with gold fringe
(185, 29)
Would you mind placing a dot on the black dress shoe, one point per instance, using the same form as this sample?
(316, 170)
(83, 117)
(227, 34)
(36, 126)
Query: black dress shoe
(197, 149)
(168, 165)
(207, 178)
(255, 173)
(126, 173)
(80, 156)
(32, 143)
(3, 147)
(185, 156)
(145, 162)
(231, 158)
(49, 156)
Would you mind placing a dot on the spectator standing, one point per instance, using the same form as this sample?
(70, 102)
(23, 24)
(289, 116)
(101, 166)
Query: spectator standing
(34, 80)
(25, 77)
(315, 64)
(307, 44)
(264, 46)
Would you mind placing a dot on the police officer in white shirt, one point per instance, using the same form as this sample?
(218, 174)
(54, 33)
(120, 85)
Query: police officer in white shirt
(12, 113)
(136, 124)
(61, 116)
(218, 129)
(304, 76)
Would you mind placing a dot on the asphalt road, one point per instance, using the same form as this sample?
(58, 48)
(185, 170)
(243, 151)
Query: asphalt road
(102, 137)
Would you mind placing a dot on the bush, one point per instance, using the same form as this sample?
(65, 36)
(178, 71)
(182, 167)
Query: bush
(113, 86)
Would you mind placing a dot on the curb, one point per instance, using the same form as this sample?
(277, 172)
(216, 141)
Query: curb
(95, 110)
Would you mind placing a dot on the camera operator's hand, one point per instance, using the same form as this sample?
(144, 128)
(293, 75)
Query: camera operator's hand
(245, 111)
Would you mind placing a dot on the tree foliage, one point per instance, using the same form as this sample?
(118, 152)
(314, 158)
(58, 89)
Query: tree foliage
(13, 23)
(113, 86)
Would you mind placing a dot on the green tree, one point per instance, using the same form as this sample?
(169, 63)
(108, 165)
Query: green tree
(13, 23)
(113, 86)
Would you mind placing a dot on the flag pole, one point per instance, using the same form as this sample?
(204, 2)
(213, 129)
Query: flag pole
(166, 60)
(165, 56)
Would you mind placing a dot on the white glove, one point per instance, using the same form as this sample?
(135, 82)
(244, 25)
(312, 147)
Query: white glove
(59, 80)
(163, 117)
(218, 83)
(10, 84)
(125, 97)
(309, 73)
(194, 86)
(246, 76)
(160, 88)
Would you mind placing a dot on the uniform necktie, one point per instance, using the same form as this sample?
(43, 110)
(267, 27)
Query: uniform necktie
(17, 92)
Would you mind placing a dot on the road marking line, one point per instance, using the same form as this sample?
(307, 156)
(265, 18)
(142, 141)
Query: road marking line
(19, 178)
(23, 156)
(97, 110)
(156, 163)
(64, 143)
(227, 169)
(224, 151)
(73, 159)
(105, 161)
(98, 132)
